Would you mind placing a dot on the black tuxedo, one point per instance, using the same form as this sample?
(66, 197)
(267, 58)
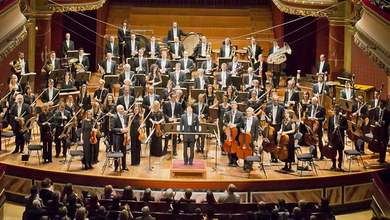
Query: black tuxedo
(65, 48)
(59, 124)
(182, 78)
(204, 66)
(254, 131)
(145, 104)
(100, 94)
(363, 110)
(197, 82)
(113, 69)
(179, 34)
(326, 68)
(279, 115)
(343, 94)
(128, 50)
(189, 65)
(223, 52)
(45, 96)
(85, 62)
(145, 66)
(320, 115)
(18, 74)
(239, 122)
(156, 49)
(172, 48)
(198, 50)
(113, 50)
(383, 118)
(262, 72)
(294, 98)
(121, 101)
(205, 112)
(258, 51)
(316, 89)
(122, 34)
(19, 137)
(167, 65)
(116, 126)
(57, 65)
(189, 140)
(122, 77)
(167, 109)
(46, 136)
(340, 145)
(228, 80)
(271, 50)
(230, 67)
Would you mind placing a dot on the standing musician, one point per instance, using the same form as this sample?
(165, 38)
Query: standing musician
(322, 66)
(156, 118)
(231, 93)
(83, 59)
(251, 126)
(50, 95)
(224, 78)
(126, 100)
(29, 97)
(223, 108)
(275, 75)
(154, 76)
(201, 81)
(55, 62)
(66, 45)
(274, 47)
(248, 79)
(254, 102)
(180, 98)
(255, 49)
(19, 112)
(141, 64)
(112, 47)
(14, 89)
(109, 108)
(320, 87)
(291, 97)
(233, 118)
(211, 99)
(167, 90)
(176, 49)
(127, 73)
(226, 49)
(109, 65)
(175, 32)
(153, 48)
(347, 93)
(61, 118)
(164, 64)
(123, 32)
(382, 119)
(360, 110)
(201, 109)
(100, 93)
(84, 99)
(132, 47)
(98, 115)
(288, 128)
(189, 123)
(275, 112)
(256, 87)
(187, 65)
(201, 49)
(71, 107)
(172, 112)
(178, 76)
(136, 123)
(261, 69)
(85, 135)
(209, 65)
(235, 67)
(67, 84)
(147, 104)
(45, 122)
(316, 113)
(375, 101)
(337, 125)
(23, 63)
(119, 127)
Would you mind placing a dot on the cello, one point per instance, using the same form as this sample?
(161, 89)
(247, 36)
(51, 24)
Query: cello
(230, 145)
(269, 140)
(244, 149)
(280, 151)
(330, 148)
(326, 102)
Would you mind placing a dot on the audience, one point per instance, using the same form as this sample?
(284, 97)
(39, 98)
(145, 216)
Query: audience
(297, 214)
(46, 191)
(229, 197)
(81, 214)
(36, 212)
(145, 214)
(169, 196)
(187, 196)
(66, 192)
(281, 209)
(54, 205)
(262, 213)
(128, 194)
(28, 200)
(72, 205)
(108, 192)
(210, 198)
(147, 196)
(93, 206)
(210, 215)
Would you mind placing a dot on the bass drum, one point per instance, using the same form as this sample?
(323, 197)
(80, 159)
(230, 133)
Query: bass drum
(142, 39)
(190, 43)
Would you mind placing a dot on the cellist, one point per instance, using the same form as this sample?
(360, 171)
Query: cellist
(275, 112)
(233, 119)
(316, 113)
(288, 128)
(251, 125)
(337, 125)
(359, 110)
(382, 119)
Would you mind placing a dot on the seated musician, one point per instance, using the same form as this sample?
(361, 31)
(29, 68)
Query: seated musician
(316, 113)
(235, 68)
(255, 49)
(347, 93)
(187, 65)
(226, 49)
(209, 65)
(248, 79)
(261, 69)
(175, 32)
(172, 111)
(164, 64)
(201, 48)
(257, 88)
(67, 84)
(140, 65)
(320, 87)
(233, 119)
(224, 78)
(19, 111)
(167, 90)
(127, 83)
(176, 49)
(254, 102)
(132, 47)
(82, 59)
(45, 121)
(337, 125)
(178, 76)
(153, 48)
(66, 45)
(112, 47)
(382, 119)
(52, 63)
(201, 109)
(291, 97)
(100, 93)
(126, 100)
(322, 66)
(375, 101)
(288, 128)
(275, 113)
(61, 118)
(127, 74)
(23, 63)
(84, 98)
(251, 126)
(50, 94)
(295, 84)
(147, 103)
(154, 76)
(201, 81)
(109, 65)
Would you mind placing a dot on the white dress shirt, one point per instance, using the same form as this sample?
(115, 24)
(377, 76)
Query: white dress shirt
(227, 51)
(204, 49)
(189, 119)
(321, 66)
(223, 76)
(177, 49)
(249, 124)
(108, 66)
(274, 112)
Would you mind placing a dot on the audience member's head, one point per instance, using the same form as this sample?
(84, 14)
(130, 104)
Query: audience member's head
(147, 194)
(231, 188)
(145, 211)
(313, 217)
(34, 190)
(261, 206)
(72, 200)
(127, 193)
(94, 199)
(46, 183)
(101, 211)
(210, 197)
(56, 196)
(62, 212)
(115, 201)
(124, 215)
(36, 204)
(281, 203)
(108, 192)
(169, 194)
(250, 215)
(81, 213)
(188, 193)
(324, 202)
(297, 213)
(68, 189)
(302, 204)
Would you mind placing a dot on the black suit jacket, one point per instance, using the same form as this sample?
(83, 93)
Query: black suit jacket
(258, 51)
(255, 128)
(85, 62)
(230, 67)
(86, 101)
(100, 94)
(197, 82)
(156, 49)
(222, 51)
(128, 48)
(294, 98)
(145, 66)
(122, 77)
(363, 110)
(264, 69)
(114, 67)
(326, 67)
(190, 64)
(26, 68)
(172, 49)
(122, 35)
(167, 65)
(271, 50)
(279, 113)
(205, 110)
(179, 34)
(57, 65)
(65, 48)
(45, 96)
(198, 50)
(184, 127)
(204, 65)
(316, 89)
(320, 113)
(108, 49)
(228, 79)
(121, 101)
(116, 125)
(238, 120)
(167, 109)
(14, 113)
(146, 102)
(343, 124)
(182, 78)
(343, 94)
(59, 122)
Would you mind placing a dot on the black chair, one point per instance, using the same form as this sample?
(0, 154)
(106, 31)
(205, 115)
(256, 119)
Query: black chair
(257, 159)
(351, 154)
(75, 153)
(308, 158)
(113, 156)
(7, 135)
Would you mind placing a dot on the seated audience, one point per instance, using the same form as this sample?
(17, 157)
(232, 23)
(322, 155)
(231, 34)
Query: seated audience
(169, 196)
(28, 200)
(93, 206)
(72, 205)
(108, 192)
(101, 214)
(54, 205)
(147, 196)
(145, 214)
(81, 214)
(262, 213)
(46, 191)
(281, 209)
(36, 212)
(187, 196)
(128, 194)
(229, 197)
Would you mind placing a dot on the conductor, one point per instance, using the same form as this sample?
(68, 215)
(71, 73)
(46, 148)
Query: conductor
(189, 123)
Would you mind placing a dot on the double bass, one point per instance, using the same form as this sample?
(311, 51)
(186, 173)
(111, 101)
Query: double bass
(269, 139)
(230, 145)
(244, 149)
(280, 151)
(330, 148)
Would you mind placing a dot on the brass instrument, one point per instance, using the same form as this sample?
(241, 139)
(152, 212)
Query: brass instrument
(233, 51)
(73, 60)
(101, 69)
(50, 66)
(208, 50)
(17, 65)
(79, 66)
(279, 56)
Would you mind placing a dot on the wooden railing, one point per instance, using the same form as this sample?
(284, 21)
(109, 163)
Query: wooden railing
(380, 204)
(197, 3)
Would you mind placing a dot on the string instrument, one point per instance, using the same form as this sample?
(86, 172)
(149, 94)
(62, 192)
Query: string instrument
(33, 103)
(244, 149)
(268, 134)
(330, 148)
(280, 151)
(126, 135)
(376, 144)
(51, 105)
(93, 138)
(311, 137)
(326, 101)
(202, 120)
(230, 145)
(355, 125)
(141, 129)
(68, 126)
(158, 131)
(46, 129)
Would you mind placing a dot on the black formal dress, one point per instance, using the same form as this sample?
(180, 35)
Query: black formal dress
(156, 143)
(67, 85)
(338, 145)
(46, 134)
(86, 129)
(60, 124)
(135, 143)
(290, 146)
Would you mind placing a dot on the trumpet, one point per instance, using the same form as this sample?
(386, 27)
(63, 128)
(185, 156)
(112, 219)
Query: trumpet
(17, 66)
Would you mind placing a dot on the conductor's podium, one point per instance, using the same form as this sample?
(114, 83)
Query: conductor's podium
(198, 168)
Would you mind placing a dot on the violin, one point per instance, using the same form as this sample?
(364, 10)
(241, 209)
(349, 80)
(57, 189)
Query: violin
(158, 131)
(141, 129)
(93, 138)
(244, 149)
(280, 151)
(268, 134)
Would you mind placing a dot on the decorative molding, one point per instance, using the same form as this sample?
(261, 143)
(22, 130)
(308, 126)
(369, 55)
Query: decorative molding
(310, 3)
(301, 11)
(77, 7)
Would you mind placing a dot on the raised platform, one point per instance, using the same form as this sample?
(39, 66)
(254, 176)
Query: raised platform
(198, 168)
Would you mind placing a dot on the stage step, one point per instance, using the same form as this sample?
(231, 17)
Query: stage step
(198, 168)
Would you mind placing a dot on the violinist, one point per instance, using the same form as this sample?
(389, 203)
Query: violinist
(50, 94)
(209, 65)
(100, 93)
(337, 126)
(211, 99)
(45, 121)
(288, 128)
(19, 112)
(156, 118)
(136, 122)
(224, 78)
(189, 123)
(382, 119)
(275, 113)
(154, 76)
(97, 114)
(257, 89)
(15, 88)
(319, 87)
(84, 99)
(233, 119)
(231, 93)
(201, 109)
(147, 103)
(140, 63)
(235, 67)
(223, 108)
(61, 118)
(248, 79)
(359, 111)
(109, 111)
(168, 90)
(347, 93)
(126, 100)
(29, 96)
(254, 102)
(86, 128)
(127, 74)
(119, 126)
(291, 97)
(316, 113)
(201, 81)
(67, 83)
(172, 112)
(251, 125)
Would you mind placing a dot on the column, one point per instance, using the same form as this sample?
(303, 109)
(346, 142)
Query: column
(336, 50)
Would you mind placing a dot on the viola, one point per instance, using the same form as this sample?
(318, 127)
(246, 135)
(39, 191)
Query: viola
(230, 145)
(244, 149)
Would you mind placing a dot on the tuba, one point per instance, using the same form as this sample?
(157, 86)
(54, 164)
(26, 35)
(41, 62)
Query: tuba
(279, 56)
(17, 66)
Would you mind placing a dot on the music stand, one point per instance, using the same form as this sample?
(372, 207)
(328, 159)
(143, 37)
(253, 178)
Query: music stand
(241, 107)
(72, 53)
(213, 129)
(237, 82)
(111, 80)
(213, 112)
(242, 96)
(346, 104)
(300, 94)
(187, 84)
(151, 61)
(211, 79)
(219, 94)
(140, 79)
(82, 76)
(117, 60)
(27, 78)
(165, 79)
(138, 91)
(184, 90)
(195, 93)
(173, 64)
(223, 60)
(57, 75)
(160, 92)
(171, 128)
